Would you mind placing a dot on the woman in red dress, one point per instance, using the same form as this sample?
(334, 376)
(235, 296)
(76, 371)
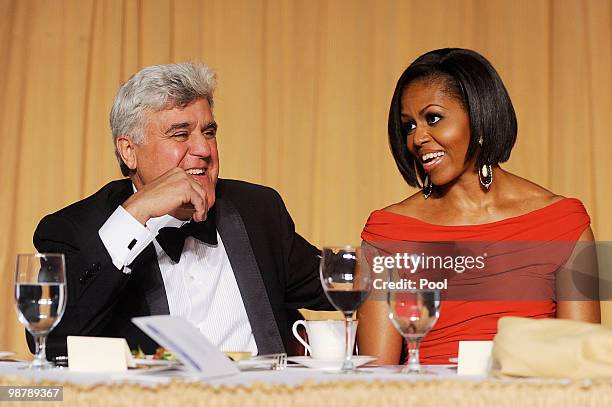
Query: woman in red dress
(451, 123)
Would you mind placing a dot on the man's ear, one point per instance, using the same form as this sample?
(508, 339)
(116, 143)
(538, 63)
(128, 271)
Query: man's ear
(126, 148)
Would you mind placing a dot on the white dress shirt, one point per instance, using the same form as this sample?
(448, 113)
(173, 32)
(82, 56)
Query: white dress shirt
(201, 287)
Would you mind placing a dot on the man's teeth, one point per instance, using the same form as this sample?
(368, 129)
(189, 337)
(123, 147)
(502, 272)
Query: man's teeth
(429, 156)
(195, 171)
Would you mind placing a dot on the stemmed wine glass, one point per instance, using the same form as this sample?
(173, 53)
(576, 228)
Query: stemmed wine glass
(40, 298)
(413, 313)
(346, 283)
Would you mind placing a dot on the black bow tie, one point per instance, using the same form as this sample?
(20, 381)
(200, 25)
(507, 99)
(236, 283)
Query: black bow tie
(172, 240)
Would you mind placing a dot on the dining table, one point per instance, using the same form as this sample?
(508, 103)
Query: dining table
(438, 385)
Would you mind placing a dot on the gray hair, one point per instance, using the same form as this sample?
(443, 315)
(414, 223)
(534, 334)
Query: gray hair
(156, 88)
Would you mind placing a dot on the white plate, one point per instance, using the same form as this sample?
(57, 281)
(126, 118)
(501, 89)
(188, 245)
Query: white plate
(5, 354)
(155, 362)
(453, 360)
(145, 366)
(329, 365)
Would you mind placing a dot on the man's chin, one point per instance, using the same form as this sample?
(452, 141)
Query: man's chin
(205, 181)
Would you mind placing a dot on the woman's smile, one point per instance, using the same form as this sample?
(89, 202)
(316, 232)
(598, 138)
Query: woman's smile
(431, 160)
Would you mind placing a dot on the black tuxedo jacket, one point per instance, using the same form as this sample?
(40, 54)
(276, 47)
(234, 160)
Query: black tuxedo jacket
(275, 268)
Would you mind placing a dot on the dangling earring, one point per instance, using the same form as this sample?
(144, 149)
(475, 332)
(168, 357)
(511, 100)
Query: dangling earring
(485, 175)
(427, 187)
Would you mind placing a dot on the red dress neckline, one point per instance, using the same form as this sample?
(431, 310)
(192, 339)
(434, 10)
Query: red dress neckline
(509, 219)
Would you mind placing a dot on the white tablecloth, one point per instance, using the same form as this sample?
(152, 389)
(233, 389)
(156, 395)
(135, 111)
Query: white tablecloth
(292, 375)
(297, 387)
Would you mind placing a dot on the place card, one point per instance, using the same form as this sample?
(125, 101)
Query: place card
(188, 345)
(95, 354)
(474, 357)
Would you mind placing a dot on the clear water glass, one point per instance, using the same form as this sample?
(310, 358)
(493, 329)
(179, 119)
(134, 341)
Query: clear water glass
(40, 298)
(413, 313)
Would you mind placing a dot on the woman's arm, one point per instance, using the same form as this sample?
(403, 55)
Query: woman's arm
(376, 336)
(580, 301)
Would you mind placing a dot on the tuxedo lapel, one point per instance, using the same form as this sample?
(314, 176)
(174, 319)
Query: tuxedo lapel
(250, 283)
(147, 266)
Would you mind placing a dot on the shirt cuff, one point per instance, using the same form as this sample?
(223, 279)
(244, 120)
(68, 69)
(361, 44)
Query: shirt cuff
(124, 238)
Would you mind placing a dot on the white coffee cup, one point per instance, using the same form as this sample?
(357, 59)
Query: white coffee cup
(327, 338)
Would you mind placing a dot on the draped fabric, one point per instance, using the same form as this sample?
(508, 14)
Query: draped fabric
(304, 90)
(518, 279)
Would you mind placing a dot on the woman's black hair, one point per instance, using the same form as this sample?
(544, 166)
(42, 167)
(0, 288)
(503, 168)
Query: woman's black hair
(470, 78)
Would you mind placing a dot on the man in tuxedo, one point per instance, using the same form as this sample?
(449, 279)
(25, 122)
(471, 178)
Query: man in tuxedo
(174, 239)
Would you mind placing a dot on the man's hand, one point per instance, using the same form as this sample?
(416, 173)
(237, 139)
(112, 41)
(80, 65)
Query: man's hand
(175, 193)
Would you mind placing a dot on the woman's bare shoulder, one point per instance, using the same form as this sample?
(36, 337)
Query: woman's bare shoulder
(528, 195)
(409, 206)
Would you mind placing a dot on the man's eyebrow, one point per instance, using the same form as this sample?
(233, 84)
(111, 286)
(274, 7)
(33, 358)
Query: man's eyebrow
(211, 126)
(177, 126)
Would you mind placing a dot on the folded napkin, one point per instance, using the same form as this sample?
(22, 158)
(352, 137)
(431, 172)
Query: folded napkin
(310, 315)
(552, 348)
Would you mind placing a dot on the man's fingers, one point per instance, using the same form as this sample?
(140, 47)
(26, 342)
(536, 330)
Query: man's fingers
(200, 205)
(175, 192)
(198, 188)
(199, 200)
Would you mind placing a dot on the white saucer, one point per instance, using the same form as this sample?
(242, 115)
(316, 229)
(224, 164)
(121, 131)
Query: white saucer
(4, 354)
(329, 365)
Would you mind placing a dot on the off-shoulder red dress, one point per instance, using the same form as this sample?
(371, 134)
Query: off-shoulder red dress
(562, 221)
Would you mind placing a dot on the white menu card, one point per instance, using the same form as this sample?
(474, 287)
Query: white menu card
(188, 344)
(95, 354)
(474, 357)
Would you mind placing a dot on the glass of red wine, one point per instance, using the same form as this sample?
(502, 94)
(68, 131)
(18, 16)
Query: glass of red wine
(347, 282)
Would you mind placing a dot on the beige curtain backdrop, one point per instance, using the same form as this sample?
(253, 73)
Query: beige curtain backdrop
(304, 90)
